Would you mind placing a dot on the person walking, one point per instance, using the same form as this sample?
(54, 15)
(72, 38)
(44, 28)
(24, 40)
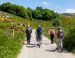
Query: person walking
(51, 33)
(39, 35)
(60, 36)
(28, 34)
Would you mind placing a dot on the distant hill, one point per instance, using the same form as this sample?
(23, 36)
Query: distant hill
(69, 14)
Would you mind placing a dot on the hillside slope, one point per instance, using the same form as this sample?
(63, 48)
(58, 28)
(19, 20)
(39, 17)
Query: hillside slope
(12, 31)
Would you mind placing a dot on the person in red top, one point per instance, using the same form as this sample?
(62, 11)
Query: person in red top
(51, 33)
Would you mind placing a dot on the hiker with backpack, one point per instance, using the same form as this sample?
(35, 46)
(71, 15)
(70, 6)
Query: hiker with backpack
(60, 36)
(28, 34)
(51, 33)
(39, 35)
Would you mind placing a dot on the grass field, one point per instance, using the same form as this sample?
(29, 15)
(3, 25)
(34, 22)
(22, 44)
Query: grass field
(11, 44)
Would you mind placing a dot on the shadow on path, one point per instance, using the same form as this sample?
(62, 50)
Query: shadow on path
(31, 45)
(64, 51)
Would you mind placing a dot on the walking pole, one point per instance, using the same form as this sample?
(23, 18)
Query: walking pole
(13, 33)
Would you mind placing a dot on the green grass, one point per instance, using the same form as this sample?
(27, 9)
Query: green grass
(68, 23)
(9, 46)
(73, 51)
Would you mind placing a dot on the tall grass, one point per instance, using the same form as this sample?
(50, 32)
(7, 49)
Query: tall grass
(9, 46)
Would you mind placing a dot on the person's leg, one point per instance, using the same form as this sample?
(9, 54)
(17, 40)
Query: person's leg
(37, 40)
(52, 39)
(28, 39)
(61, 45)
(39, 43)
(58, 44)
(40, 38)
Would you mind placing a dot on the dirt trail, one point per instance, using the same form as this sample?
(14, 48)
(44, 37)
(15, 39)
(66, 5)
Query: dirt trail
(47, 50)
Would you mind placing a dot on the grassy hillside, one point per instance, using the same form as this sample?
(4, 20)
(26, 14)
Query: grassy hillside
(11, 44)
(68, 25)
(67, 22)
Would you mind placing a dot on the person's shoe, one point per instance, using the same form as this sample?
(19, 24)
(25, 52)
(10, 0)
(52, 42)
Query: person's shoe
(56, 49)
(62, 49)
(39, 46)
(51, 42)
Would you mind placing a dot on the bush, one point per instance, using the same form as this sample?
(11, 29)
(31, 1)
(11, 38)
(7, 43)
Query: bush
(28, 13)
(56, 23)
(69, 40)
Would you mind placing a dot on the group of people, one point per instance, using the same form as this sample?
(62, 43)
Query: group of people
(59, 34)
(38, 35)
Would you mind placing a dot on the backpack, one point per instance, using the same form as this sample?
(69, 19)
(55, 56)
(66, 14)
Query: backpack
(51, 32)
(39, 30)
(28, 31)
(60, 35)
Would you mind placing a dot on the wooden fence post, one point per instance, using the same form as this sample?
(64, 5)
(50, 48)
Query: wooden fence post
(13, 33)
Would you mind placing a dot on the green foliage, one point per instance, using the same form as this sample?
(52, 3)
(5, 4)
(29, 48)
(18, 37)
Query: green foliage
(67, 21)
(7, 50)
(9, 46)
(56, 23)
(14, 9)
(44, 14)
(38, 13)
(69, 40)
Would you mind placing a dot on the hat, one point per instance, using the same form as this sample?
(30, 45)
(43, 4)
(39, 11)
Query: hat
(60, 30)
(39, 26)
(59, 27)
(28, 26)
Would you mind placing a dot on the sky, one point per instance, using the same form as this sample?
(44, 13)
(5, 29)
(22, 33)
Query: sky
(60, 6)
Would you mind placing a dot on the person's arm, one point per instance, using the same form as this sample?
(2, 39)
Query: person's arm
(31, 29)
(26, 31)
(54, 33)
(49, 32)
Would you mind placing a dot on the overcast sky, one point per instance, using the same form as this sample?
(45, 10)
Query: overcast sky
(56, 5)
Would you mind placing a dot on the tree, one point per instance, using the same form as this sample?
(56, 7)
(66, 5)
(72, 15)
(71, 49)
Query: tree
(39, 13)
(29, 12)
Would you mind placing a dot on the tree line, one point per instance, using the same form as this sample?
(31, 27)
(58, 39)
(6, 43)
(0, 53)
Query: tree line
(28, 13)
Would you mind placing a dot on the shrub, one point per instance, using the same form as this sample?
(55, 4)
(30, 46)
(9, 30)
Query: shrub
(69, 40)
(56, 23)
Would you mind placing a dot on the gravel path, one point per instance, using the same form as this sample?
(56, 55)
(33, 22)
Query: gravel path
(47, 50)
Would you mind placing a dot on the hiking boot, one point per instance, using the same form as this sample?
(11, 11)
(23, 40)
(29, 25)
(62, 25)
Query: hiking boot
(62, 49)
(39, 46)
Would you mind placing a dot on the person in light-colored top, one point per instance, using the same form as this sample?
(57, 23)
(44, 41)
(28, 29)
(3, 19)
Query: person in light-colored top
(60, 36)
(28, 34)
